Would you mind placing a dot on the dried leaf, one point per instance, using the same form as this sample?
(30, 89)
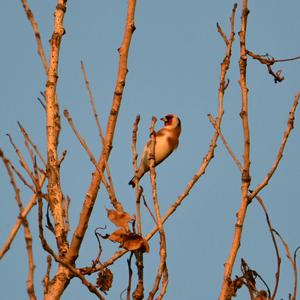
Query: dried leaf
(118, 236)
(134, 242)
(104, 280)
(129, 240)
(120, 219)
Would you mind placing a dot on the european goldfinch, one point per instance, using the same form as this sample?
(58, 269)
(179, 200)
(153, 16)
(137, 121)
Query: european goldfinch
(167, 140)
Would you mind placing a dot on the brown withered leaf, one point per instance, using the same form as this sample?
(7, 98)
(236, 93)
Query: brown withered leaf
(118, 236)
(129, 240)
(104, 279)
(120, 219)
(133, 241)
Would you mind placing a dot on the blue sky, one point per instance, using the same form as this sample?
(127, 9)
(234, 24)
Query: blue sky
(174, 67)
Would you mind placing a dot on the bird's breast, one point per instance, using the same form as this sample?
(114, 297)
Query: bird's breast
(164, 147)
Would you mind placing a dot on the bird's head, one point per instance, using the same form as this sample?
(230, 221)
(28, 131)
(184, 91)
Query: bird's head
(171, 121)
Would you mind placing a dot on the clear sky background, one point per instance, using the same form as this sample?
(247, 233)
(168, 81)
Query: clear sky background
(174, 67)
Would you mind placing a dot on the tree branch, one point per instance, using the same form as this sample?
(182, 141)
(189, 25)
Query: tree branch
(36, 33)
(162, 235)
(290, 126)
(92, 192)
(27, 232)
(246, 179)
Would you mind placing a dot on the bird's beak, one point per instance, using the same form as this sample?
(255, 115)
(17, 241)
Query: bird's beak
(164, 119)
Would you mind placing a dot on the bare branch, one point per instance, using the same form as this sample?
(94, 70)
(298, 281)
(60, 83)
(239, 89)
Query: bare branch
(290, 126)
(163, 243)
(89, 201)
(37, 34)
(277, 275)
(114, 201)
(21, 177)
(165, 281)
(292, 261)
(118, 206)
(74, 271)
(18, 223)
(28, 139)
(42, 102)
(295, 274)
(138, 294)
(22, 160)
(138, 192)
(129, 276)
(55, 195)
(47, 275)
(93, 104)
(269, 61)
(149, 210)
(246, 179)
(27, 232)
(237, 162)
(64, 154)
(223, 35)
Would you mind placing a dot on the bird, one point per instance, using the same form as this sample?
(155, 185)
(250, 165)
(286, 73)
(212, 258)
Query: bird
(167, 140)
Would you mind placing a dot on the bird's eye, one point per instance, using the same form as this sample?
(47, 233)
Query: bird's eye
(169, 119)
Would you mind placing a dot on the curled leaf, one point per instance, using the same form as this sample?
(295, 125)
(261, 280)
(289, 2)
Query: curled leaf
(129, 240)
(120, 219)
(104, 279)
(134, 242)
(118, 236)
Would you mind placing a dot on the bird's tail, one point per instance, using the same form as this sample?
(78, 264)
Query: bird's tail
(132, 182)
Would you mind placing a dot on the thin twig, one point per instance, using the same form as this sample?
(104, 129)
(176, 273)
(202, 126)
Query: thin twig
(21, 177)
(223, 35)
(97, 260)
(164, 285)
(138, 192)
(292, 261)
(22, 160)
(93, 104)
(100, 131)
(290, 126)
(269, 61)
(42, 103)
(66, 205)
(277, 275)
(295, 274)
(47, 275)
(74, 271)
(28, 139)
(163, 244)
(129, 276)
(27, 232)
(37, 34)
(138, 293)
(63, 156)
(237, 162)
(18, 223)
(114, 201)
(149, 210)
